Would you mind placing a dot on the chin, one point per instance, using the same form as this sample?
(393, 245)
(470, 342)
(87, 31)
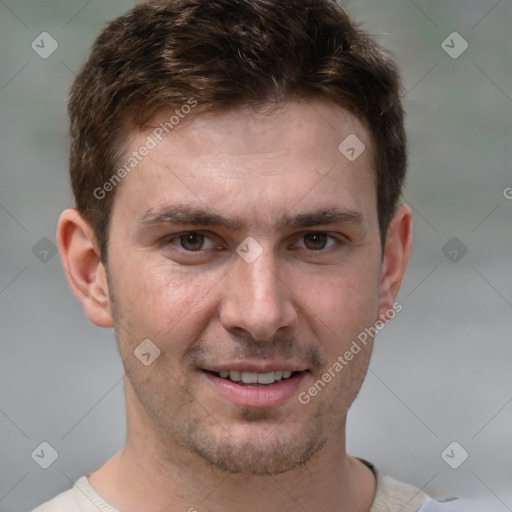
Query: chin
(258, 451)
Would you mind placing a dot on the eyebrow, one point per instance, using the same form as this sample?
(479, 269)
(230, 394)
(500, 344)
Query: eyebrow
(183, 214)
(322, 217)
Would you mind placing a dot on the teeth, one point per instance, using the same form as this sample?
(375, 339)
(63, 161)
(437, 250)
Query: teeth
(266, 378)
(249, 377)
(254, 377)
(234, 375)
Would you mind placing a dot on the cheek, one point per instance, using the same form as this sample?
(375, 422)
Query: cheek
(158, 302)
(342, 303)
(339, 310)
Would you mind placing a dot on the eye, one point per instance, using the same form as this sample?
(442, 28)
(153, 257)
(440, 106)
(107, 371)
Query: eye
(193, 241)
(317, 241)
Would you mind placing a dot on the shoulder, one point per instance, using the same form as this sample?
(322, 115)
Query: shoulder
(81, 498)
(61, 503)
(392, 495)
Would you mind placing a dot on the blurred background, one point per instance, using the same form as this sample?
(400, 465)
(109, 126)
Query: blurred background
(436, 407)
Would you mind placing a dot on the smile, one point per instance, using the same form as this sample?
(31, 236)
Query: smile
(245, 377)
(245, 388)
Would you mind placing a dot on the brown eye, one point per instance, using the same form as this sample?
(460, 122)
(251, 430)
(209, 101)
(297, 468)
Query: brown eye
(315, 241)
(192, 241)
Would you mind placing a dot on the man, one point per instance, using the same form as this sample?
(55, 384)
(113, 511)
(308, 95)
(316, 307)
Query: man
(237, 167)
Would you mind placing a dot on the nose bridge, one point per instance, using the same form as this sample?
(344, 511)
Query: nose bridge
(257, 301)
(259, 277)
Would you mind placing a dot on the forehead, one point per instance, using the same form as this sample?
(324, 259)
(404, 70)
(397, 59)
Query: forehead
(252, 161)
(308, 124)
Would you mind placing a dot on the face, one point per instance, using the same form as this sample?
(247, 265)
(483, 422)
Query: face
(245, 246)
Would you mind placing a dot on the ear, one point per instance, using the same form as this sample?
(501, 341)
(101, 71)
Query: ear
(396, 255)
(84, 271)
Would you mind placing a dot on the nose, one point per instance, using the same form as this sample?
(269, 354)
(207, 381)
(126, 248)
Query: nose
(257, 300)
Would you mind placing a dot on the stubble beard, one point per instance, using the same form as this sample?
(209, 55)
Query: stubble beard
(194, 434)
(191, 429)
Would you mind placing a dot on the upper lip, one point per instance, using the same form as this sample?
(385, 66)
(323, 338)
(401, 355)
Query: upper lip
(256, 366)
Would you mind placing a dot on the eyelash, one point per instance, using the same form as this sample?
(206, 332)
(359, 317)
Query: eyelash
(173, 238)
(337, 241)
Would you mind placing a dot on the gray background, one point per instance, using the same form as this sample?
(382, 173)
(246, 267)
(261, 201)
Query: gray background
(441, 369)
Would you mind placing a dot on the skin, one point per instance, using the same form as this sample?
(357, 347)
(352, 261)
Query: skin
(302, 301)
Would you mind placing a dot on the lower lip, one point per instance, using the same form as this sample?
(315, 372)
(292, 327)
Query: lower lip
(262, 396)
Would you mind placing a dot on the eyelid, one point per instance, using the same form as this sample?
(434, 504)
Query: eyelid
(338, 240)
(169, 240)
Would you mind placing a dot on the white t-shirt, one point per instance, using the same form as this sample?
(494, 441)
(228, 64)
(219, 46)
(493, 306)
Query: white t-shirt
(390, 496)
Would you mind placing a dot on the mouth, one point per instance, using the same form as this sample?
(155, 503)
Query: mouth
(245, 378)
(263, 389)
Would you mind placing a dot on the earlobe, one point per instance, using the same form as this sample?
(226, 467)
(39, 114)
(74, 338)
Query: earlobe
(396, 255)
(84, 271)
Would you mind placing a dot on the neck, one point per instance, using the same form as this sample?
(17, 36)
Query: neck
(150, 475)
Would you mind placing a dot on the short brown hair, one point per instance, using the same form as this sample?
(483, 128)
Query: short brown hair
(226, 54)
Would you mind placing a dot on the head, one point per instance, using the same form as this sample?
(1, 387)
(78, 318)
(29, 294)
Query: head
(236, 167)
